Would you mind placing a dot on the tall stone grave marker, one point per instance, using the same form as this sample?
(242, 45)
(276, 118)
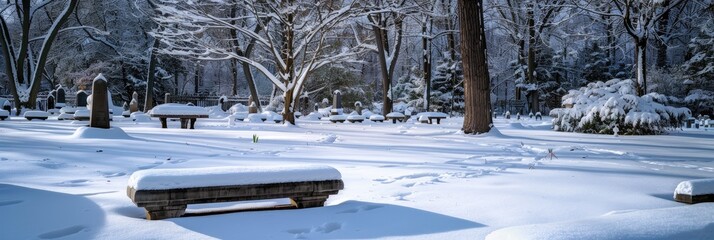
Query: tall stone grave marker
(99, 117)
(336, 102)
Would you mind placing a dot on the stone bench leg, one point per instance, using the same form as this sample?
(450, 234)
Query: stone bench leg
(309, 202)
(193, 122)
(438, 121)
(163, 212)
(184, 123)
(163, 122)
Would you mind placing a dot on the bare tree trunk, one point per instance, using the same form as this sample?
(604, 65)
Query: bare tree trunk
(477, 118)
(234, 74)
(426, 63)
(289, 35)
(641, 64)
(149, 98)
(662, 31)
(386, 78)
(532, 94)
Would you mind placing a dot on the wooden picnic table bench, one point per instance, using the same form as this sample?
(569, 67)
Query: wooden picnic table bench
(310, 187)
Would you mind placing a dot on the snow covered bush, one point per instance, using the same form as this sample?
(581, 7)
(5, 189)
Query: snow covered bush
(601, 106)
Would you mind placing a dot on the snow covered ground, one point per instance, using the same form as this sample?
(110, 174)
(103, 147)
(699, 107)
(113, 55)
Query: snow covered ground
(404, 180)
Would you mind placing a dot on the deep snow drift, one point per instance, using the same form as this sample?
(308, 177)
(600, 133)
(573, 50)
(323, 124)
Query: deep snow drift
(405, 180)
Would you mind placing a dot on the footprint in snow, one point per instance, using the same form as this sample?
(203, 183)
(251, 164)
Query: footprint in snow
(62, 232)
(113, 174)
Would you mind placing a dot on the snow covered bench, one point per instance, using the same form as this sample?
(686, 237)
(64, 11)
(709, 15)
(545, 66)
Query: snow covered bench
(4, 114)
(429, 117)
(164, 193)
(174, 110)
(30, 115)
(695, 191)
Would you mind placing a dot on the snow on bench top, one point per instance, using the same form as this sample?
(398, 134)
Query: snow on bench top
(4, 113)
(178, 109)
(395, 115)
(161, 179)
(695, 187)
(36, 114)
(684, 222)
(433, 114)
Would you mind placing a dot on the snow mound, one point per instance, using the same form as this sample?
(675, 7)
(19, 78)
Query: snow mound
(216, 112)
(100, 133)
(395, 115)
(178, 109)
(140, 117)
(4, 113)
(157, 179)
(254, 118)
(695, 187)
(36, 114)
(313, 116)
(664, 223)
(376, 117)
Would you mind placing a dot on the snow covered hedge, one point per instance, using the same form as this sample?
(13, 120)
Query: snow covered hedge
(601, 106)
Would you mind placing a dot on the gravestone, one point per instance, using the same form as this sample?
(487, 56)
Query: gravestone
(358, 107)
(317, 107)
(99, 117)
(81, 99)
(50, 101)
(60, 97)
(166, 97)
(337, 99)
(252, 108)
(324, 103)
(125, 106)
(134, 104)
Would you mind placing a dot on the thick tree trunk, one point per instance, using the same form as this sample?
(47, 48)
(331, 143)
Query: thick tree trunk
(149, 97)
(386, 79)
(477, 118)
(288, 72)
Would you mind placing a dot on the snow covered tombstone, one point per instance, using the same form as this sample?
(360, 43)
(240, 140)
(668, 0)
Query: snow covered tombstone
(252, 109)
(60, 97)
(538, 116)
(599, 106)
(358, 107)
(134, 104)
(336, 103)
(99, 117)
(167, 97)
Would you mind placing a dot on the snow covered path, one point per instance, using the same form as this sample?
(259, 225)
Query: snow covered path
(401, 181)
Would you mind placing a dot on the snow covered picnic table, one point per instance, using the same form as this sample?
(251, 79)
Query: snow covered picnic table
(394, 116)
(165, 193)
(174, 110)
